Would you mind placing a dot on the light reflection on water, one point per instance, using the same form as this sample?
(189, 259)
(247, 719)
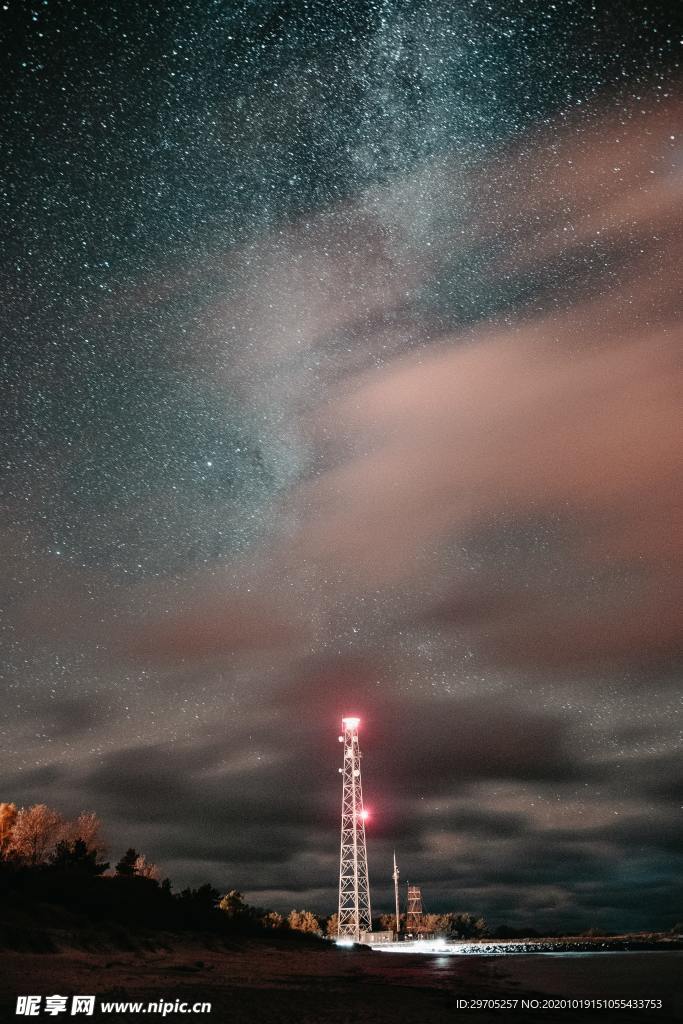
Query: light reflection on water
(446, 957)
(452, 962)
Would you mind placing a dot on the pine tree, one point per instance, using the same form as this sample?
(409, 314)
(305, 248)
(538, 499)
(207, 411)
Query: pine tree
(126, 866)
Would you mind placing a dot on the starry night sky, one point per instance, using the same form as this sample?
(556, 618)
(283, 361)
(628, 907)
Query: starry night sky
(305, 412)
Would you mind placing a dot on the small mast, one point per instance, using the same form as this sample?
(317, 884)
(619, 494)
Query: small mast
(395, 878)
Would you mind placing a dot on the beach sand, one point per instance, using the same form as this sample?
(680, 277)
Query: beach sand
(258, 982)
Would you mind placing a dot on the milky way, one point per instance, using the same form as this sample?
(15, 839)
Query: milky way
(338, 370)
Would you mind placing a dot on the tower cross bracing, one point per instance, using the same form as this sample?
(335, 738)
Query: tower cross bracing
(354, 887)
(414, 909)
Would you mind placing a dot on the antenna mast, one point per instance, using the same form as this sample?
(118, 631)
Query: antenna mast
(395, 878)
(354, 887)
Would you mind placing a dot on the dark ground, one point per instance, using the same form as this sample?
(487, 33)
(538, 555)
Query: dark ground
(271, 983)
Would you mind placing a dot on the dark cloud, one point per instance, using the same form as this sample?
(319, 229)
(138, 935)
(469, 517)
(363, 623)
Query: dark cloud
(485, 825)
(508, 818)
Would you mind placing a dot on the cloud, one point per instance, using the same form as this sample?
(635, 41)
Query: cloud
(556, 417)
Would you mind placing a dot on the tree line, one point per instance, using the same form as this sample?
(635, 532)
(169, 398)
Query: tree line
(451, 925)
(48, 859)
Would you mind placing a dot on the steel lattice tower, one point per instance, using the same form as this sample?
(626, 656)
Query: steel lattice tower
(354, 887)
(414, 914)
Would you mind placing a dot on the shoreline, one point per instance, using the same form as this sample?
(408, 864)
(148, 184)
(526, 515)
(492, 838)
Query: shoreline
(559, 947)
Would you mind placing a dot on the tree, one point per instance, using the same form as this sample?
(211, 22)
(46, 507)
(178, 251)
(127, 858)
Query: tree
(332, 926)
(144, 868)
(271, 919)
(35, 832)
(8, 816)
(433, 923)
(136, 865)
(462, 926)
(76, 857)
(304, 921)
(87, 827)
(126, 866)
(204, 898)
(233, 903)
(32, 833)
